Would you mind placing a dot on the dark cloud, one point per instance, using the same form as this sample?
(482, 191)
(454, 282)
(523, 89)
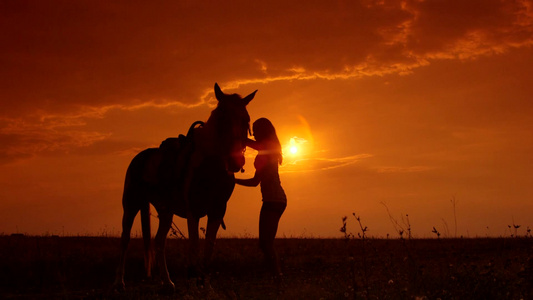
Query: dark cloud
(468, 28)
(70, 53)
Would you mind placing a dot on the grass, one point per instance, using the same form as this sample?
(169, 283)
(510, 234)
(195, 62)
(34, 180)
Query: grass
(84, 268)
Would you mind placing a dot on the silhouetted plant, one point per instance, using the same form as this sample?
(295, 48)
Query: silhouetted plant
(399, 228)
(363, 229)
(454, 205)
(435, 231)
(516, 229)
(343, 229)
(362, 235)
(408, 224)
(446, 228)
(513, 229)
(175, 231)
(349, 252)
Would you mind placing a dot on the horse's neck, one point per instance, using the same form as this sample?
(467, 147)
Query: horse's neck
(205, 140)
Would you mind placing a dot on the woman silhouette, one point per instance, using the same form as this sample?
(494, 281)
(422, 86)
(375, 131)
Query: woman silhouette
(274, 198)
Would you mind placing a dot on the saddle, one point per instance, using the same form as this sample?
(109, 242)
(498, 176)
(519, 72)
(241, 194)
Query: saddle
(175, 156)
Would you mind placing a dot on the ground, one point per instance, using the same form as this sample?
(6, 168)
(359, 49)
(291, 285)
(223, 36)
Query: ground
(84, 268)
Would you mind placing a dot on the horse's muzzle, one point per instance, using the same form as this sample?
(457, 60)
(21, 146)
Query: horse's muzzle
(236, 162)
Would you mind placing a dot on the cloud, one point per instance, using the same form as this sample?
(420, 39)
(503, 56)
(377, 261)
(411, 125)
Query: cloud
(412, 169)
(82, 53)
(25, 138)
(392, 37)
(321, 163)
(70, 131)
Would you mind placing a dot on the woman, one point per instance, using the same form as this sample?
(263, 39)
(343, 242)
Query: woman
(266, 173)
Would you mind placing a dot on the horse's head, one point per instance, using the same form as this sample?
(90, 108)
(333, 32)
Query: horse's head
(232, 123)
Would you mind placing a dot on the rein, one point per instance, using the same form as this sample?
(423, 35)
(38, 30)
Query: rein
(193, 126)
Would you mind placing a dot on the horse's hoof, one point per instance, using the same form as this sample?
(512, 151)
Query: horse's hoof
(119, 287)
(193, 272)
(168, 288)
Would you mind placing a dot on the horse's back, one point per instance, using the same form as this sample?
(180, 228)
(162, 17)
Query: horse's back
(144, 166)
(155, 175)
(139, 176)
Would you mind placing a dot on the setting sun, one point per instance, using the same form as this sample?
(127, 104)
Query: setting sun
(295, 148)
(292, 146)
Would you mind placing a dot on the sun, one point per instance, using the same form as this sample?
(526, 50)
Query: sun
(295, 148)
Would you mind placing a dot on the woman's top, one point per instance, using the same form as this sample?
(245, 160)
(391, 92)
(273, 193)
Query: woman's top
(266, 166)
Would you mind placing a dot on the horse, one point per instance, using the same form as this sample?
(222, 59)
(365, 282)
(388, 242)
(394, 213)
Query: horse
(196, 181)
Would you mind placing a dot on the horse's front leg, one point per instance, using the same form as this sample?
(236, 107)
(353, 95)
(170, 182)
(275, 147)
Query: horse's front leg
(213, 224)
(192, 228)
(165, 222)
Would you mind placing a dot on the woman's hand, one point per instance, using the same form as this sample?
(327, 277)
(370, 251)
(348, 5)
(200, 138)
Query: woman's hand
(252, 144)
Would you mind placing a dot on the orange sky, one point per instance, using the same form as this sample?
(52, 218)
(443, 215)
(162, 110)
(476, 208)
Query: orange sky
(405, 103)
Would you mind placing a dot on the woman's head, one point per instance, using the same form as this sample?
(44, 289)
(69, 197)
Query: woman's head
(263, 129)
(265, 133)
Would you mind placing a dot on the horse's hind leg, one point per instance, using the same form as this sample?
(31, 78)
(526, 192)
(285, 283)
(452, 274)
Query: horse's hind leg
(127, 223)
(165, 222)
(147, 235)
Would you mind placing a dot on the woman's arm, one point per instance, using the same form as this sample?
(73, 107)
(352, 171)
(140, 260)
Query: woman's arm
(254, 181)
(252, 144)
(248, 182)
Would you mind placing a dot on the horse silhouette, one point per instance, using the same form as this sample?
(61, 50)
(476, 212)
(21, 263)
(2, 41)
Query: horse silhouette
(190, 177)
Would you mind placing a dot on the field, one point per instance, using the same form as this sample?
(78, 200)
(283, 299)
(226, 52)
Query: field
(84, 267)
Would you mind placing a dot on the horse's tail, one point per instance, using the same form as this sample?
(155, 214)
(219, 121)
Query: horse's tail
(147, 232)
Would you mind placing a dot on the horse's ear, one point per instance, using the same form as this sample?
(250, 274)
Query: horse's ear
(218, 92)
(249, 98)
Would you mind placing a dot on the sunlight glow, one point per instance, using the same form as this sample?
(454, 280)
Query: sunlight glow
(292, 148)
(295, 148)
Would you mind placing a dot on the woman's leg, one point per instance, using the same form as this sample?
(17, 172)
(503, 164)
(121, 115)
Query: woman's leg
(268, 227)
